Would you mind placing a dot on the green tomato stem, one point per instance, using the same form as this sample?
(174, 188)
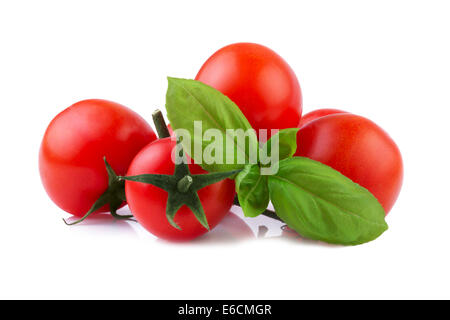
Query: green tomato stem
(184, 184)
(160, 124)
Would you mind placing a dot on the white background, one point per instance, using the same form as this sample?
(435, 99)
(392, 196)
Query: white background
(386, 60)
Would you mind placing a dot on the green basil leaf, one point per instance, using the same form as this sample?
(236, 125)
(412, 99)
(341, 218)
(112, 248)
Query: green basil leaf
(320, 203)
(286, 140)
(252, 191)
(190, 101)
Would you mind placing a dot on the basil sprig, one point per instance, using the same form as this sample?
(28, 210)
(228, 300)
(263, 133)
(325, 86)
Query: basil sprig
(311, 198)
(251, 183)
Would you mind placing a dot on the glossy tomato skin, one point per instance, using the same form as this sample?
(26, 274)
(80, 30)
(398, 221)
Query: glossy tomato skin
(359, 149)
(71, 155)
(316, 114)
(259, 81)
(148, 203)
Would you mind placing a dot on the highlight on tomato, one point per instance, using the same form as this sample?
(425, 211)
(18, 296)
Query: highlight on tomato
(357, 148)
(259, 81)
(71, 156)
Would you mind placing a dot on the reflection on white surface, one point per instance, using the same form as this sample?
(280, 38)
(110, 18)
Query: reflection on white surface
(104, 223)
(265, 227)
(261, 226)
(235, 227)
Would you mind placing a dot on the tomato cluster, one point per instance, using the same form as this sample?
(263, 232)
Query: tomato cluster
(73, 171)
(91, 133)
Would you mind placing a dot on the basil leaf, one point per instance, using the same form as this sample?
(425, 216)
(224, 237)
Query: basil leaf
(190, 101)
(281, 145)
(252, 191)
(320, 203)
(287, 143)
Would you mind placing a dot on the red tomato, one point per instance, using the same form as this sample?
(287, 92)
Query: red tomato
(72, 150)
(169, 127)
(148, 203)
(319, 113)
(359, 149)
(259, 81)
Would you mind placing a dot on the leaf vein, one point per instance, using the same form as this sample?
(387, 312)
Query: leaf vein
(211, 117)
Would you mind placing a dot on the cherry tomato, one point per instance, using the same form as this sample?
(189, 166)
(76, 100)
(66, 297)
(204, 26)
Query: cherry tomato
(169, 127)
(71, 155)
(319, 113)
(259, 81)
(148, 203)
(359, 149)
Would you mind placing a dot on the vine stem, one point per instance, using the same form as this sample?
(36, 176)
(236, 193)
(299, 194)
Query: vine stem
(268, 213)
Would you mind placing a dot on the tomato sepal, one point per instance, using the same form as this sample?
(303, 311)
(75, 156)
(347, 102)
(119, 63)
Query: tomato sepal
(182, 188)
(114, 196)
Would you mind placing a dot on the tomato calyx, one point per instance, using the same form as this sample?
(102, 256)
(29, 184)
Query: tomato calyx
(114, 196)
(182, 188)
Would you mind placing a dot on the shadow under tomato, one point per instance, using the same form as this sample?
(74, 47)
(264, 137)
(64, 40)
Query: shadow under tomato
(230, 229)
(233, 228)
(105, 222)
